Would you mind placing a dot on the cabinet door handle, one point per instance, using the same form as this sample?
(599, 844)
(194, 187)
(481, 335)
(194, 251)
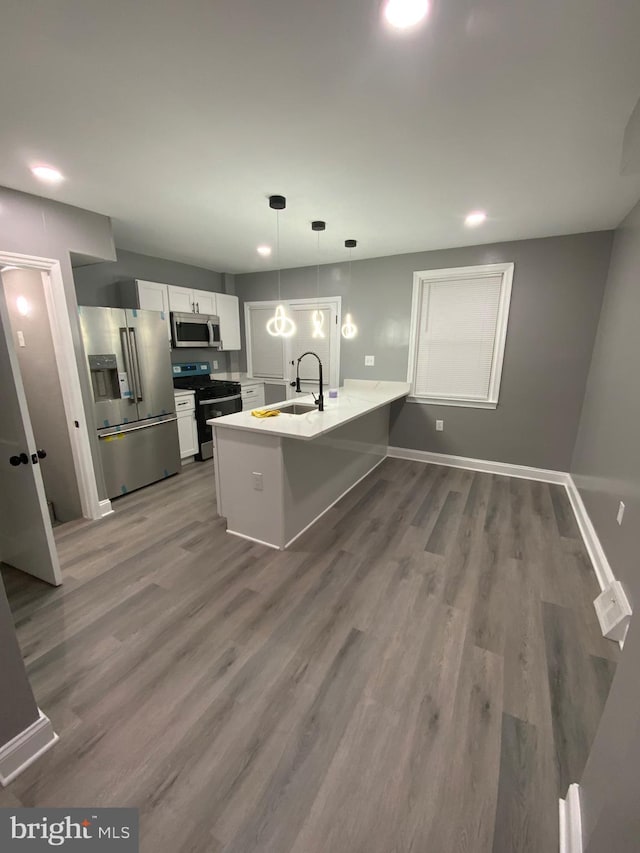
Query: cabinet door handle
(193, 307)
(197, 307)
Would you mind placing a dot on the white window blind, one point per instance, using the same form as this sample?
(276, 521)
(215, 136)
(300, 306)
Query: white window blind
(303, 341)
(267, 351)
(458, 334)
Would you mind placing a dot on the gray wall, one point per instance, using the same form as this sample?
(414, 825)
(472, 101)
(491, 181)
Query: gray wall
(30, 225)
(39, 372)
(557, 294)
(606, 468)
(96, 284)
(18, 708)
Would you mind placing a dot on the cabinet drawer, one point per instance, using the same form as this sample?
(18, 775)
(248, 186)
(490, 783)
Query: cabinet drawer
(185, 404)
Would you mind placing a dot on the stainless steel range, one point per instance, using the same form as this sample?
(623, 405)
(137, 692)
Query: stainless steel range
(214, 398)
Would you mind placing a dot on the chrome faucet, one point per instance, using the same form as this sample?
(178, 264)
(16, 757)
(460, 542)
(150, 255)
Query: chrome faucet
(319, 401)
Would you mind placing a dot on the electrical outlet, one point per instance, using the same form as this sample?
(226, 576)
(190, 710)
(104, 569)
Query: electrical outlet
(369, 360)
(620, 515)
(439, 426)
(257, 481)
(215, 365)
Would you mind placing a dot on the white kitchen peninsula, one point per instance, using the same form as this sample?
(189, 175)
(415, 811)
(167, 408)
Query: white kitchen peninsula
(275, 476)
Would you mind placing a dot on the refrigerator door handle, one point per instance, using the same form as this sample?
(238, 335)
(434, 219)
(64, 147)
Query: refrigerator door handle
(136, 363)
(103, 435)
(126, 353)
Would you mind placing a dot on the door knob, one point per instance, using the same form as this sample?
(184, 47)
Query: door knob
(22, 459)
(42, 454)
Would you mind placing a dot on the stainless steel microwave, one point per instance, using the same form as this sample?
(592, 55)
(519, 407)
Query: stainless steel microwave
(195, 330)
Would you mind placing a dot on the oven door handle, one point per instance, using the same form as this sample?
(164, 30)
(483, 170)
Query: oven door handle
(220, 400)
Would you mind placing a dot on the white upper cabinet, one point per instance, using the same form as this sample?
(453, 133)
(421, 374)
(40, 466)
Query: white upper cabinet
(229, 314)
(205, 302)
(188, 301)
(154, 296)
(181, 299)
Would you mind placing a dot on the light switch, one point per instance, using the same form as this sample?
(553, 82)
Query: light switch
(369, 360)
(21, 342)
(620, 515)
(257, 481)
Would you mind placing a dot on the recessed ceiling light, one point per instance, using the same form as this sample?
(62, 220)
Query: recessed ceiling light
(265, 251)
(403, 14)
(48, 174)
(475, 218)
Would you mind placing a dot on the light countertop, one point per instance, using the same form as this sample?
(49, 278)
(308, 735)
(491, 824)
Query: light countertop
(356, 398)
(245, 379)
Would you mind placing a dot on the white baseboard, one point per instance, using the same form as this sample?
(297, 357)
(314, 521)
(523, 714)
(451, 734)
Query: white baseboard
(25, 748)
(253, 539)
(524, 471)
(603, 570)
(571, 822)
(105, 508)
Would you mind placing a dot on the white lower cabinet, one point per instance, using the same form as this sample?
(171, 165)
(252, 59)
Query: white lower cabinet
(187, 427)
(252, 395)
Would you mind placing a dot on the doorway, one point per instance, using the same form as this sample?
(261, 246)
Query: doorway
(33, 343)
(36, 338)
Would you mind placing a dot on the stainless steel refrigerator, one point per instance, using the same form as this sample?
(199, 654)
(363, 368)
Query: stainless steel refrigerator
(130, 369)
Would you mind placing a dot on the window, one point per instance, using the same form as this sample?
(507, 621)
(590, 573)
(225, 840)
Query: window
(458, 333)
(270, 357)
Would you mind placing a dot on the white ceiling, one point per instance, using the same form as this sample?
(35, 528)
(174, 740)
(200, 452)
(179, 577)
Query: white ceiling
(178, 119)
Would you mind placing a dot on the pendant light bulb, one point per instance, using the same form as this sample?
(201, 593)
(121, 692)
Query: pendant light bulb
(317, 320)
(349, 329)
(279, 326)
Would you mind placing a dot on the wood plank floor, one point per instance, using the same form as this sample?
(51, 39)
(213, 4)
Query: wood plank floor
(422, 672)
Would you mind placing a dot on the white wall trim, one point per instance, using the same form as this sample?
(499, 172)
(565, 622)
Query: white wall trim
(571, 822)
(253, 539)
(422, 281)
(25, 748)
(603, 570)
(105, 508)
(526, 472)
(68, 372)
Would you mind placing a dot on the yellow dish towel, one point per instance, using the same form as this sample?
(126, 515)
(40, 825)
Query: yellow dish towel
(265, 413)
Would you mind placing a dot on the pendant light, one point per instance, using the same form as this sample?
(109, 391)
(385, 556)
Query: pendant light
(349, 328)
(279, 326)
(317, 318)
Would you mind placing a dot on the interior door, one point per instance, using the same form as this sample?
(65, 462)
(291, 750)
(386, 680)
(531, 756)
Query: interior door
(26, 537)
(323, 319)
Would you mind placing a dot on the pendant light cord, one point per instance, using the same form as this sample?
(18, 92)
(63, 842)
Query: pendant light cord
(278, 252)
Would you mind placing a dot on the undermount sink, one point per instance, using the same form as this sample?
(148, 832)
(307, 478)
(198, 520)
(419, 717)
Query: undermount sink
(297, 409)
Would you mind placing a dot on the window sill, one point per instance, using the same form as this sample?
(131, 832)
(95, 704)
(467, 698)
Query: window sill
(466, 404)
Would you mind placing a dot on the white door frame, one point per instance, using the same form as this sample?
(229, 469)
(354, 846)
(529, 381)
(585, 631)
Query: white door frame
(92, 506)
(336, 304)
